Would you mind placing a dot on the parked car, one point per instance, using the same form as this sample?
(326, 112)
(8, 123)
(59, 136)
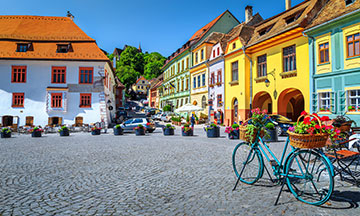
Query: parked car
(121, 115)
(127, 107)
(166, 117)
(283, 123)
(149, 112)
(129, 125)
(157, 116)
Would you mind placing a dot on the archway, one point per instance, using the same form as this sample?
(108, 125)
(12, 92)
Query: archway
(235, 113)
(7, 121)
(263, 101)
(291, 103)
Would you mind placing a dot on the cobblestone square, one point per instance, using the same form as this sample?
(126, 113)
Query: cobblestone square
(149, 175)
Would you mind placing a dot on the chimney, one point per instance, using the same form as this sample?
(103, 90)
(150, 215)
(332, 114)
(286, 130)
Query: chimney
(70, 15)
(287, 4)
(248, 13)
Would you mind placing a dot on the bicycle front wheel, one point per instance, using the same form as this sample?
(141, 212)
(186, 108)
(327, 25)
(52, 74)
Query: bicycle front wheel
(248, 162)
(310, 178)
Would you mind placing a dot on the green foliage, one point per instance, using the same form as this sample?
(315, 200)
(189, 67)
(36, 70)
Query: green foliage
(117, 126)
(63, 128)
(167, 108)
(187, 118)
(196, 118)
(5, 130)
(234, 126)
(270, 126)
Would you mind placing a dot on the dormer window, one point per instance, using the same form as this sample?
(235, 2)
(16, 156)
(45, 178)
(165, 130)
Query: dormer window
(265, 30)
(234, 45)
(294, 17)
(349, 2)
(63, 48)
(23, 47)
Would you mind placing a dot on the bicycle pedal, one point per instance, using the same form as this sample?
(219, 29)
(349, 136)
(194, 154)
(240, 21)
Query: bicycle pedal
(274, 163)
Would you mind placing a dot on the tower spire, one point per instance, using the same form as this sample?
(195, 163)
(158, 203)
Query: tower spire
(140, 47)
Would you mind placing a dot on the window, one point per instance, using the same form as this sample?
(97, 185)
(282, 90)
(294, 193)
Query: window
(22, 47)
(86, 75)
(194, 82)
(178, 67)
(219, 100)
(186, 100)
(261, 65)
(202, 54)
(234, 71)
(198, 79)
(187, 63)
(289, 58)
(348, 2)
(85, 100)
(213, 53)
(324, 53)
(234, 45)
(218, 51)
(212, 78)
(219, 78)
(178, 86)
(203, 79)
(62, 48)
(324, 102)
(182, 65)
(56, 100)
(187, 84)
(353, 45)
(18, 100)
(58, 75)
(354, 100)
(18, 74)
(29, 120)
(182, 85)
(196, 58)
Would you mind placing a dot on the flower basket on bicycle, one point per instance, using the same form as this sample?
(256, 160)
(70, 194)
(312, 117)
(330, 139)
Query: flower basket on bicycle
(251, 127)
(310, 133)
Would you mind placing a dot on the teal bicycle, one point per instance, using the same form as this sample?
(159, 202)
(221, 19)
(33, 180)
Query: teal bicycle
(308, 173)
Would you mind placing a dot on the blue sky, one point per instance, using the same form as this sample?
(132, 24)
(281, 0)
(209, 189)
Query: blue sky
(159, 25)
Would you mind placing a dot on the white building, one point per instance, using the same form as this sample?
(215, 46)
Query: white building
(52, 73)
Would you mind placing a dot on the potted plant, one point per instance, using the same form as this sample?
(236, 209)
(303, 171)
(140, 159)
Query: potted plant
(95, 130)
(168, 130)
(233, 131)
(64, 131)
(271, 133)
(196, 119)
(186, 130)
(351, 108)
(311, 133)
(139, 130)
(212, 131)
(5, 133)
(36, 131)
(118, 130)
(255, 125)
(322, 109)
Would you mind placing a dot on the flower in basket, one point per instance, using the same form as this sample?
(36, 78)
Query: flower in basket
(95, 128)
(256, 123)
(211, 126)
(6, 130)
(186, 128)
(63, 128)
(232, 128)
(169, 126)
(140, 126)
(36, 129)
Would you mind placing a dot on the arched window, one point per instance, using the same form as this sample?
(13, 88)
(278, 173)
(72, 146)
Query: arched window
(203, 102)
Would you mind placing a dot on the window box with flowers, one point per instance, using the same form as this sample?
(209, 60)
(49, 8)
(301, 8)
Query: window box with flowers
(352, 108)
(64, 131)
(233, 131)
(212, 131)
(211, 85)
(95, 130)
(139, 130)
(324, 109)
(5, 133)
(186, 130)
(118, 130)
(168, 130)
(36, 131)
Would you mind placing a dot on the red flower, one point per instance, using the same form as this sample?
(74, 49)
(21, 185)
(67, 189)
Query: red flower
(325, 118)
(307, 120)
(315, 114)
(317, 127)
(304, 113)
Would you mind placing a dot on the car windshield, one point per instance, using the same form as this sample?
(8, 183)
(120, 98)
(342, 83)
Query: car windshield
(128, 121)
(149, 120)
(138, 120)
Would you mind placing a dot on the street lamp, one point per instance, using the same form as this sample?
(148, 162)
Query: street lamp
(267, 82)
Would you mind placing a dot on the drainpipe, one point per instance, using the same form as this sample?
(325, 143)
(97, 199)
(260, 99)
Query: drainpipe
(313, 70)
(210, 106)
(251, 74)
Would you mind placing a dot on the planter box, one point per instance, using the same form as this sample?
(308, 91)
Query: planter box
(118, 131)
(271, 137)
(213, 133)
(5, 135)
(168, 131)
(95, 132)
(235, 134)
(64, 133)
(36, 134)
(188, 133)
(140, 132)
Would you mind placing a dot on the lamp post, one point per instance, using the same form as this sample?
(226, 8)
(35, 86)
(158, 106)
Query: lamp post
(267, 82)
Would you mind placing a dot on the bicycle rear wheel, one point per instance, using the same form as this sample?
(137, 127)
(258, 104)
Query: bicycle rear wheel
(310, 177)
(249, 162)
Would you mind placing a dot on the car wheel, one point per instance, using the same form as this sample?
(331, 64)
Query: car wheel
(278, 130)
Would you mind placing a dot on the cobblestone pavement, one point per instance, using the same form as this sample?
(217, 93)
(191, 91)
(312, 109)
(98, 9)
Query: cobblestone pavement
(149, 175)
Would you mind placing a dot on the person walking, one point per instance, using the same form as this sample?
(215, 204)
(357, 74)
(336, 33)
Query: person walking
(192, 120)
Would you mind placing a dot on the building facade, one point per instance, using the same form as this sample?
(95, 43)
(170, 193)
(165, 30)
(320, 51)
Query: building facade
(334, 38)
(52, 74)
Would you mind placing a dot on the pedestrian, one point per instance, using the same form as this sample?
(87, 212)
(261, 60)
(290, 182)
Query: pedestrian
(192, 120)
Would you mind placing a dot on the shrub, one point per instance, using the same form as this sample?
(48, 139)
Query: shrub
(270, 126)
(167, 108)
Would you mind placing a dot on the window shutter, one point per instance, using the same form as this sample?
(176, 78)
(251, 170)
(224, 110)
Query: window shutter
(49, 121)
(315, 100)
(342, 102)
(333, 101)
(60, 120)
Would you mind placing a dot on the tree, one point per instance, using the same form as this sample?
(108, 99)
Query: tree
(153, 64)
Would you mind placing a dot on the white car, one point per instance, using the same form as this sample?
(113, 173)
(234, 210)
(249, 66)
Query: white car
(166, 117)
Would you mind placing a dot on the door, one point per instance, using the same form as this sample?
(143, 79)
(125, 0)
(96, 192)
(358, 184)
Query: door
(7, 121)
(235, 112)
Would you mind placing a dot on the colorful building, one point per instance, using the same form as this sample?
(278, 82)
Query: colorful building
(176, 85)
(52, 73)
(334, 38)
(141, 86)
(154, 94)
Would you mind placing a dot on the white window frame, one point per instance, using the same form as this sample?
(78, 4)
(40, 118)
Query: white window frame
(327, 100)
(356, 97)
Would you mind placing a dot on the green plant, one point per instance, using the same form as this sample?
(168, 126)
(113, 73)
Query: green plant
(186, 128)
(234, 126)
(35, 129)
(187, 118)
(140, 126)
(169, 126)
(211, 126)
(167, 108)
(117, 126)
(270, 126)
(95, 128)
(63, 128)
(196, 118)
(5, 130)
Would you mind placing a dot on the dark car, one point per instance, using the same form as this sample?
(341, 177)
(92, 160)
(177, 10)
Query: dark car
(121, 115)
(283, 123)
(129, 125)
(150, 112)
(127, 107)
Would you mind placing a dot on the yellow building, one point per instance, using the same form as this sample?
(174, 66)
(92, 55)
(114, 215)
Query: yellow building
(276, 61)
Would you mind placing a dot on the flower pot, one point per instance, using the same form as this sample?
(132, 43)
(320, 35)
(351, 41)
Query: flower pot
(271, 136)
(140, 132)
(213, 132)
(36, 134)
(5, 135)
(118, 131)
(95, 132)
(234, 134)
(187, 133)
(64, 132)
(168, 131)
